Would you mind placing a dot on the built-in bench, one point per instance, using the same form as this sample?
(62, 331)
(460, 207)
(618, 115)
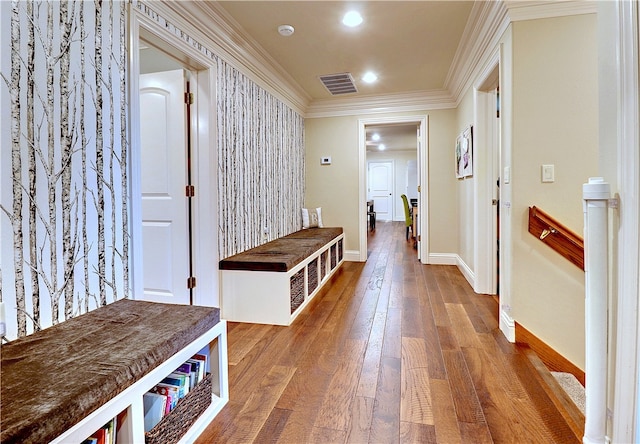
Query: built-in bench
(65, 382)
(272, 283)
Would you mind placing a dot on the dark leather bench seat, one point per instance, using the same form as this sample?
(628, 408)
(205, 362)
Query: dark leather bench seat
(284, 253)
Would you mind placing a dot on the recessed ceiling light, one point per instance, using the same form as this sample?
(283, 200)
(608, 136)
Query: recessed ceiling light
(381, 147)
(375, 137)
(369, 77)
(285, 30)
(352, 19)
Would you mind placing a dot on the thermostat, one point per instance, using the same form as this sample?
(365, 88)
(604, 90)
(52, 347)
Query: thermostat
(325, 160)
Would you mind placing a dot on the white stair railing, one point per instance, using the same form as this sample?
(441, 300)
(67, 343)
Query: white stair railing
(595, 196)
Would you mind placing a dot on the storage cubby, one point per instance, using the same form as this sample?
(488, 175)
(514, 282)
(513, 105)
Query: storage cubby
(63, 383)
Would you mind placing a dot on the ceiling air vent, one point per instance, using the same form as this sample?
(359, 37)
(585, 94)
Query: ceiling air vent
(339, 83)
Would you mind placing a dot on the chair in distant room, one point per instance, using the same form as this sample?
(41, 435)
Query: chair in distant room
(408, 219)
(371, 215)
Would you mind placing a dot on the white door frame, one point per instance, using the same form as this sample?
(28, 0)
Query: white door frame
(486, 136)
(423, 180)
(203, 157)
(626, 401)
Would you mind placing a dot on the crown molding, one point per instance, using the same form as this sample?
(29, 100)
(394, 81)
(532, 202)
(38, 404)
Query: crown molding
(487, 23)
(519, 10)
(378, 104)
(229, 42)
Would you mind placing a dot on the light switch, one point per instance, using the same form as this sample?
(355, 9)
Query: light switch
(548, 173)
(325, 160)
(507, 175)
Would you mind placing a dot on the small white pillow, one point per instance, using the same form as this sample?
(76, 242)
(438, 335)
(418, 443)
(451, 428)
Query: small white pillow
(311, 217)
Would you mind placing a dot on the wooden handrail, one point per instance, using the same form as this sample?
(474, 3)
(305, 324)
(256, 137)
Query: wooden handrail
(556, 236)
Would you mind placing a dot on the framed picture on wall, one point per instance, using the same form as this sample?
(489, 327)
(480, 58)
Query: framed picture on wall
(464, 153)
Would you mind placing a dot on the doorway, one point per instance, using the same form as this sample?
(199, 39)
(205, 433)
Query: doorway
(487, 185)
(419, 184)
(174, 167)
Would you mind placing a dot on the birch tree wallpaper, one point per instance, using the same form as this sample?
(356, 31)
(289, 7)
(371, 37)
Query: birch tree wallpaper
(64, 194)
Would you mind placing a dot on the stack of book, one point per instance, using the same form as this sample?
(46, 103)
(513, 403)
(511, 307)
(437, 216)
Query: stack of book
(104, 435)
(163, 398)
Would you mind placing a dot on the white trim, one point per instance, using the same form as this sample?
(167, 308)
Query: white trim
(625, 405)
(507, 325)
(466, 271)
(531, 10)
(352, 256)
(135, 162)
(443, 259)
(402, 102)
(205, 203)
(485, 144)
(421, 121)
(204, 151)
(487, 23)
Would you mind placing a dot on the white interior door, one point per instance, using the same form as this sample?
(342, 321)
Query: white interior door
(164, 177)
(381, 189)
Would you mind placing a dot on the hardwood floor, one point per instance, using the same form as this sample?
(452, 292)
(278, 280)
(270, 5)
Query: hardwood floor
(390, 351)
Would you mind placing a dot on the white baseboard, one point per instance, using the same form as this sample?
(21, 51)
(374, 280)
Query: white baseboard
(443, 259)
(467, 272)
(352, 256)
(507, 326)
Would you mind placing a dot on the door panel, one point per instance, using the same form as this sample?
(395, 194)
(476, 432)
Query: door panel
(381, 189)
(164, 205)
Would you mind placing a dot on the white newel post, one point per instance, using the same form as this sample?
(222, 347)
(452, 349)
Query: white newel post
(595, 196)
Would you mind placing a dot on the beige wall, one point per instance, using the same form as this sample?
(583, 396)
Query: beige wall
(335, 187)
(555, 120)
(464, 187)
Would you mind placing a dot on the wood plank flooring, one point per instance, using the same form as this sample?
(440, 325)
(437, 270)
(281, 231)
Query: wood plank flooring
(390, 351)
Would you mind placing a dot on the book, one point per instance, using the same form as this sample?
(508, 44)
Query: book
(197, 367)
(185, 369)
(184, 381)
(90, 440)
(202, 358)
(171, 392)
(154, 409)
(177, 381)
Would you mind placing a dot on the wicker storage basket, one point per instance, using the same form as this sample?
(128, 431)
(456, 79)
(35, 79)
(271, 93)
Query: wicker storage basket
(177, 422)
(324, 258)
(297, 290)
(312, 271)
(334, 259)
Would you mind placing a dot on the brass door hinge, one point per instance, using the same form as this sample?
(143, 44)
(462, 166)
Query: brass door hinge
(188, 98)
(190, 191)
(191, 282)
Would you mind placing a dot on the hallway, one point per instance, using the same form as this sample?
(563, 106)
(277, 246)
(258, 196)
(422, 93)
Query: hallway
(390, 351)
